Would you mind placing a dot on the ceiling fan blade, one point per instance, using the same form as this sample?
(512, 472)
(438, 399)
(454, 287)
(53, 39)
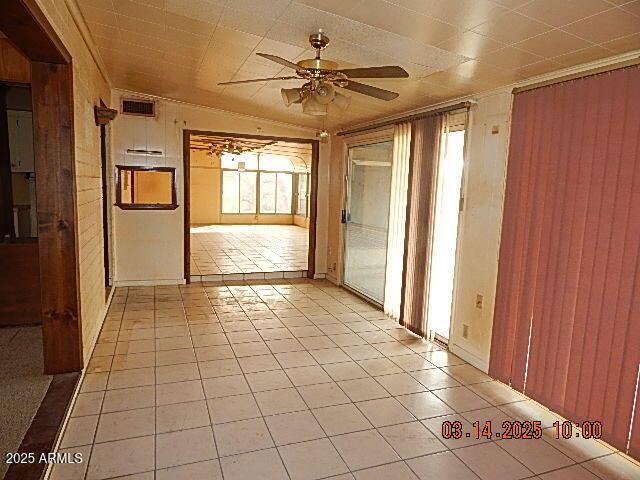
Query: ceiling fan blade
(254, 80)
(280, 60)
(371, 91)
(389, 71)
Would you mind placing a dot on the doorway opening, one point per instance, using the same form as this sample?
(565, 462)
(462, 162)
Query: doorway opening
(250, 206)
(366, 218)
(448, 205)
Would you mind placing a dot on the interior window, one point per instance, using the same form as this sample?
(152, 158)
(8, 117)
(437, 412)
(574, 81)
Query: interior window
(146, 188)
(302, 208)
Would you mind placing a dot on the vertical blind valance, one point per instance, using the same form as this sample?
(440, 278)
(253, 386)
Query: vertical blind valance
(566, 327)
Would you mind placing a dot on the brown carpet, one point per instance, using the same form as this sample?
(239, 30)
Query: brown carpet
(22, 384)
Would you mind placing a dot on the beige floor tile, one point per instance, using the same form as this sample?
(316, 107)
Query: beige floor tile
(225, 386)
(194, 471)
(67, 471)
(345, 371)
(412, 362)
(79, 431)
(258, 363)
(177, 373)
(362, 389)
(214, 352)
(280, 401)
(122, 457)
(94, 382)
(400, 384)
(250, 349)
(131, 378)
(461, 399)
(133, 360)
(575, 472)
(537, 455)
(384, 411)
(435, 425)
(379, 366)
(310, 375)
(219, 368)
(530, 411)
(294, 427)
(310, 460)
(339, 419)
(466, 374)
(489, 461)
(231, 409)
(496, 393)
(126, 424)
(129, 398)
(411, 440)
(173, 357)
(242, 436)
(295, 359)
(185, 446)
(173, 343)
(441, 466)
(134, 346)
(269, 380)
(263, 464)
(182, 416)
(329, 355)
(179, 392)
(434, 379)
(424, 405)
(208, 340)
(284, 345)
(364, 449)
(578, 449)
(397, 470)
(323, 395)
(87, 404)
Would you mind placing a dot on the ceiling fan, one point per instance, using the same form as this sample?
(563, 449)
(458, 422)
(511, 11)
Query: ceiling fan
(322, 76)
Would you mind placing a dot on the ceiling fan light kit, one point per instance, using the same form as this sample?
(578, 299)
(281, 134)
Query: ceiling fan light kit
(322, 76)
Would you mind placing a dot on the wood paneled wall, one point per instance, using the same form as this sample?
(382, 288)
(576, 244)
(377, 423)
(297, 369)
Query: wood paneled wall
(14, 66)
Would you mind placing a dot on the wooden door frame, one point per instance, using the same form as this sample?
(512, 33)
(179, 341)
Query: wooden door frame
(313, 194)
(26, 26)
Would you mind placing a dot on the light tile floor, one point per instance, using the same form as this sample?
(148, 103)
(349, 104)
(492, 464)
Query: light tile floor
(295, 380)
(227, 249)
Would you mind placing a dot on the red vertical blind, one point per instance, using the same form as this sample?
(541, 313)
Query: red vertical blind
(426, 137)
(567, 318)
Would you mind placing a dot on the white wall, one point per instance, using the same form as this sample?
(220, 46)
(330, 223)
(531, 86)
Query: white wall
(149, 244)
(480, 225)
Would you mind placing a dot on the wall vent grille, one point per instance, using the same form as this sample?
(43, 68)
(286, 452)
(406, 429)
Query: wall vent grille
(138, 107)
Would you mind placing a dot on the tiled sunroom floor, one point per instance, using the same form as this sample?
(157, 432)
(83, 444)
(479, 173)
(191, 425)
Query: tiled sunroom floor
(297, 380)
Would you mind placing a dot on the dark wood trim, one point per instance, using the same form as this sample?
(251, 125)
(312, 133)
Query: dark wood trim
(105, 204)
(186, 174)
(313, 208)
(45, 427)
(26, 26)
(313, 200)
(53, 132)
(145, 206)
(7, 228)
(252, 136)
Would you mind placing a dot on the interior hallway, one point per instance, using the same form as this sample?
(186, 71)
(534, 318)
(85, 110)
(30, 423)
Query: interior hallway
(228, 249)
(295, 379)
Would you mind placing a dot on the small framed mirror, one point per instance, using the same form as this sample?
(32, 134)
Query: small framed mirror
(146, 188)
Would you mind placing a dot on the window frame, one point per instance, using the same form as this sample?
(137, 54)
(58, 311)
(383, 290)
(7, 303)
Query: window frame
(145, 206)
(258, 189)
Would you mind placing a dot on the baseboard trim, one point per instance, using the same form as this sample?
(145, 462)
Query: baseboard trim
(148, 283)
(468, 357)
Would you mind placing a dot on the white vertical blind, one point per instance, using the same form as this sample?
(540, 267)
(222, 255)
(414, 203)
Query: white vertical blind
(397, 218)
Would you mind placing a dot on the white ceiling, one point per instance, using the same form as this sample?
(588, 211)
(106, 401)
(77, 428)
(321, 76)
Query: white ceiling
(181, 49)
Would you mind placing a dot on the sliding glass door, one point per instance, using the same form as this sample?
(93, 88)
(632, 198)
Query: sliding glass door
(366, 218)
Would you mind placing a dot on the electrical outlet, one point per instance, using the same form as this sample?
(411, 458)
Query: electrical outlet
(479, 300)
(465, 331)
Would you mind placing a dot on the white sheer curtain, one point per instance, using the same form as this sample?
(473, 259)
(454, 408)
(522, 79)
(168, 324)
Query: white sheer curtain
(397, 218)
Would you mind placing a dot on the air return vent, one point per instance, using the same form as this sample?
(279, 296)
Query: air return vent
(138, 107)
